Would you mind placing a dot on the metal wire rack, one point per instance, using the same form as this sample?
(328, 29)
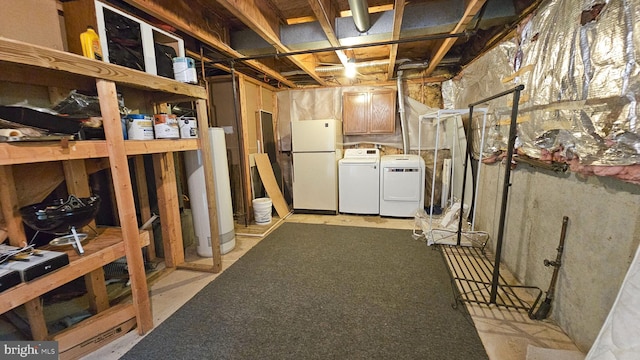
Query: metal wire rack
(471, 271)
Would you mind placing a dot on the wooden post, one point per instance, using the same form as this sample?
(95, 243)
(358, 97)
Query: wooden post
(244, 131)
(126, 204)
(169, 208)
(35, 316)
(143, 201)
(207, 164)
(75, 174)
(207, 161)
(17, 237)
(10, 207)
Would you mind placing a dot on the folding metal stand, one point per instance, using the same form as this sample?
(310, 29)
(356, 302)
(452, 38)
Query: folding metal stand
(479, 279)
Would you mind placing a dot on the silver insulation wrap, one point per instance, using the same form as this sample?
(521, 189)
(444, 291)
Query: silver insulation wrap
(578, 60)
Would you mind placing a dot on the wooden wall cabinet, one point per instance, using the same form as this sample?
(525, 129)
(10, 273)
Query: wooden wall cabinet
(369, 112)
(34, 65)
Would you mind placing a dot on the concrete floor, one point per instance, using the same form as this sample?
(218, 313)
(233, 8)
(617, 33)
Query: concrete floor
(507, 334)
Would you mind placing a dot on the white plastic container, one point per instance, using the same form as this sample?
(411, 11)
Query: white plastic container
(188, 127)
(184, 70)
(165, 126)
(262, 210)
(139, 127)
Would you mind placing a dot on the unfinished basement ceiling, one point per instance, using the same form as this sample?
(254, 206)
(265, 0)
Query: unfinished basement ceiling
(303, 43)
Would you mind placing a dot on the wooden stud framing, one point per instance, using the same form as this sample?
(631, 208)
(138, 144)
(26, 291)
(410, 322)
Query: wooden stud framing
(143, 200)
(75, 174)
(168, 208)
(207, 163)
(126, 204)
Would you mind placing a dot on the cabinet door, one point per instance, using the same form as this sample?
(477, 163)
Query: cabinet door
(355, 112)
(382, 114)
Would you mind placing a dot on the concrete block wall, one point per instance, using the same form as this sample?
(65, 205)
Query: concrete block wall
(602, 237)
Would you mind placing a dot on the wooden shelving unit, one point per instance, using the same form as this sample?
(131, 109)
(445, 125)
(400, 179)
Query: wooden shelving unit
(23, 63)
(104, 249)
(32, 152)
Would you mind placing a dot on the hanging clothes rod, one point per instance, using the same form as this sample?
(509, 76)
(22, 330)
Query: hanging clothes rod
(495, 272)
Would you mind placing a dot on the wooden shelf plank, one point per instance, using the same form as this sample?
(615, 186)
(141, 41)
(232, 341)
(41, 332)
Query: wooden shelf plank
(81, 335)
(135, 147)
(16, 53)
(32, 152)
(102, 250)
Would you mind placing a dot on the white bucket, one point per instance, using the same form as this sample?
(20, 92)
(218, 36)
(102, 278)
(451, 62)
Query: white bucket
(262, 210)
(166, 126)
(188, 127)
(139, 127)
(184, 70)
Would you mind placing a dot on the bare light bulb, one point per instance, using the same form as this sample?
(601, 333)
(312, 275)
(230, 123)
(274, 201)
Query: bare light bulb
(350, 69)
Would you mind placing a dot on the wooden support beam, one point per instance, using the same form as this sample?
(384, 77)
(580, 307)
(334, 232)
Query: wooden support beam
(207, 164)
(10, 207)
(326, 14)
(126, 205)
(75, 173)
(203, 34)
(97, 291)
(77, 180)
(169, 208)
(143, 200)
(35, 316)
(267, 25)
(210, 186)
(472, 8)
(398, 13)
(244, 136)
(17, 237)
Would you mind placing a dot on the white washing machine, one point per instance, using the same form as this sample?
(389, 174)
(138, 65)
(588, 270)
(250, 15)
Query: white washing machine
(401, 185)
(359, 181)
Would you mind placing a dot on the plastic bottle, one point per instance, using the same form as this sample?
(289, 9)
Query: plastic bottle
(91, 44)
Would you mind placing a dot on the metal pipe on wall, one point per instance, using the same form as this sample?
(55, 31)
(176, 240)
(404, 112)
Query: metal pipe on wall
(403, 121)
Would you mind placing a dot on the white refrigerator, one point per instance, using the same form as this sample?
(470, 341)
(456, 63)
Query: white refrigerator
(316, 147)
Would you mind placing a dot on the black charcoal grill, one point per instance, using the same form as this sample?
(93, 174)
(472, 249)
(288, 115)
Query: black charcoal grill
(61, 217)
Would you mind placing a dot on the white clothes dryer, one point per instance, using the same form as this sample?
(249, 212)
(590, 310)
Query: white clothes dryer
(401, 185)
(359, 181)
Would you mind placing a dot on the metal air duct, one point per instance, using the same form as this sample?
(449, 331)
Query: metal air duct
(360, 14)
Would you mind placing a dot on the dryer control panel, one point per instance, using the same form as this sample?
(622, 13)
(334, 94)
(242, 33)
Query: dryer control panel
(367, 153)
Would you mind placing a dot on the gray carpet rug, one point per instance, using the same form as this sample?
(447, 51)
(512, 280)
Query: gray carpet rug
(322, 292)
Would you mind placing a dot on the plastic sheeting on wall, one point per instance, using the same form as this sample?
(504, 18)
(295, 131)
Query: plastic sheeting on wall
(309, 104)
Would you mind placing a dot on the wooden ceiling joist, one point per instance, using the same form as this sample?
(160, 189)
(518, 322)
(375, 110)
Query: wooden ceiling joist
(395, 35)
(471, 10)
(198, 31)
(256, 14)
(326, 15)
